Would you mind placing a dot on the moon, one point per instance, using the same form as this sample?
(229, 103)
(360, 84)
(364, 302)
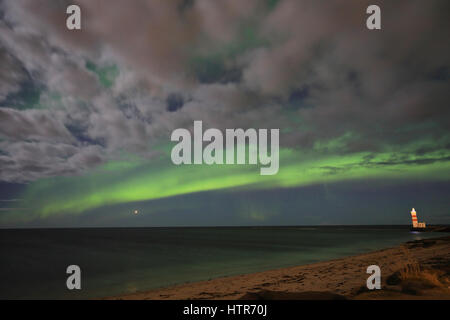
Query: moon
(136, 211)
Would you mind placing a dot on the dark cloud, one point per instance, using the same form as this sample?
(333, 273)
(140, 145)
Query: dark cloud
(174, 102)
(10, 82)
(27, 161)
(31, 125)
(136, 72)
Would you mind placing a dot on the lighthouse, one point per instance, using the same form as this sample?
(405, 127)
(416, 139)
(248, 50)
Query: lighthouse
(416, 224)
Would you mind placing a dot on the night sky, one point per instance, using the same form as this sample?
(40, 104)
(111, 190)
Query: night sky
(86, 115)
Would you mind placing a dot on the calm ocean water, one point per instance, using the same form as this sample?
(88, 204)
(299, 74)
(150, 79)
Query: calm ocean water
(124, 260)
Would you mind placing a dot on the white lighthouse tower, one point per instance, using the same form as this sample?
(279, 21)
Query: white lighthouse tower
(415, 222)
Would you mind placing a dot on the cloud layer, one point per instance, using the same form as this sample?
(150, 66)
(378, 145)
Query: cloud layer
(71, 101)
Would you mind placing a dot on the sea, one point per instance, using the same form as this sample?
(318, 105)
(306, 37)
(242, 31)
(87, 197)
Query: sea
(116, 261)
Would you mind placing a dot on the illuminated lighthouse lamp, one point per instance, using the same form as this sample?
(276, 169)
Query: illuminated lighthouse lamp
(416, 224)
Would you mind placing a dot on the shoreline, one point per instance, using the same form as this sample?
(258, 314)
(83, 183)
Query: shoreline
(413, 270)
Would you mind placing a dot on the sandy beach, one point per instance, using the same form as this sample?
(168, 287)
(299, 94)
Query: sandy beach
(415, 270)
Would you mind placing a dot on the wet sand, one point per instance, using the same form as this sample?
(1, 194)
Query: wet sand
(428, 262)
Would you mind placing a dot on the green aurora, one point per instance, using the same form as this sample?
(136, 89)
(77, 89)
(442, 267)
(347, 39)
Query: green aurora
(420, 152)
(136, 180)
